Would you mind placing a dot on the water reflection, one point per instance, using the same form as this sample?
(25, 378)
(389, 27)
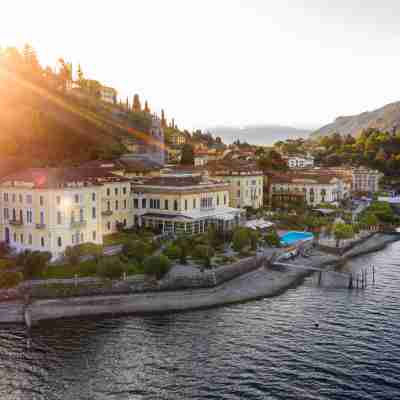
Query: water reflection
(267, 349)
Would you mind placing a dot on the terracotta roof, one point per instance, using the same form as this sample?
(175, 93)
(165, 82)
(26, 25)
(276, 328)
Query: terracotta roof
(45, 178)
(128, 164)
(297, 177)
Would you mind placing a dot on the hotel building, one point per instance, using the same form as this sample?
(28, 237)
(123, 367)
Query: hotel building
(183, 203)
(49, 209)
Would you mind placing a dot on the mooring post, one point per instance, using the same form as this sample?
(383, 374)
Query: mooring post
(320, 278)
(365, 278)
(373, 274)
(357, 281)
(351, 281)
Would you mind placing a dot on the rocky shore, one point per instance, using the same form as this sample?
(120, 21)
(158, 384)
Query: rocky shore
(263, 282)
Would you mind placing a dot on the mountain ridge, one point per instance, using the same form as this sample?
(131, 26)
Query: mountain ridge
(386, 118)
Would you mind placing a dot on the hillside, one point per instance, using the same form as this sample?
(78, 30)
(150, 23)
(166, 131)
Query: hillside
(259, 134)
(386, 118)
(44, 124)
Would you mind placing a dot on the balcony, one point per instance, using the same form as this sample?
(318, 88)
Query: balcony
(40, 226)
(106, 213)
(16, 222)
(78, 224)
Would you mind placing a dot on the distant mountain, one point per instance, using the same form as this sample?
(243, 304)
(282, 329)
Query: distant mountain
(385, 118)
(259, 134)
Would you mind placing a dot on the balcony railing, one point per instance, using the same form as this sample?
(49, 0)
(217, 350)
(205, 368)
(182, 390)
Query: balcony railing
(106, 213)
(40, 226)
(78, 224)
(16, 222)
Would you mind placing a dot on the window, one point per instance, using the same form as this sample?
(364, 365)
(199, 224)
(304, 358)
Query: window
(13, 197)
(238, 183)
(58, 200)
(108, 205)
(186, 204)
(136, 203)
(144, 203)
(81, 215)
(94, 212)
(109, 226)
(73, 239)
(238, 193)
(94, 233)
(30, 239)
(108, 192)
(76, 198)
(217, 200)
(6, 213)
(22, 238)
(116, 204)
(59, 241)
(41, 218)
(93, 196)
(225, 199)
(42, 241)
(176, 205)
(72, 216)
(29, 199)
(124, 190)
(59, 221)
(5, 196)
(41, 200)
(125, 204)
(194, 203)
(166, 204)
(21, 215)
(116, 191)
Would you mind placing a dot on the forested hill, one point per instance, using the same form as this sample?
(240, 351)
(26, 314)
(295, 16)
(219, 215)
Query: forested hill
(386, 118)
(43, 124)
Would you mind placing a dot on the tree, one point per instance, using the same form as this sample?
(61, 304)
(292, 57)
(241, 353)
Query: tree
(183, 245)
(10, 279)
(81, 77)
(272, 238)
(205, 253)
(383, 211)
(241, 239)
(110, 268)
(342, 231)
(136, 106)
(369, 220)
(33, 263)
(157, 266)
(136, 249)
(187, 154)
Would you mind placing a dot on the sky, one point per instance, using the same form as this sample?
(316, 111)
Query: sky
(224, 62)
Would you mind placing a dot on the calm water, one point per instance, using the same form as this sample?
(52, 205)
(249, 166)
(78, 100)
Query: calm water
(267, 349)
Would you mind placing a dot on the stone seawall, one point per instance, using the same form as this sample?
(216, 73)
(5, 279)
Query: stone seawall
(258, 283)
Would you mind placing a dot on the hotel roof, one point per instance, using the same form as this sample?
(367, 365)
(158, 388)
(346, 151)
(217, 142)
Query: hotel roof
(46, 178)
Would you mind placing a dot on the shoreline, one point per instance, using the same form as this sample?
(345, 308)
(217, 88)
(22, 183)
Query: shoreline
(261, 283)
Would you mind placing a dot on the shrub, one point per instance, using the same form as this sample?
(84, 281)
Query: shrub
(204, 253)
(73, 254)
(173, 252)
(6, 264)
(136, 249)
(34, 263)
(272, 239)
(110, 267)
(9, 279)
(157, 266)
(241, 239)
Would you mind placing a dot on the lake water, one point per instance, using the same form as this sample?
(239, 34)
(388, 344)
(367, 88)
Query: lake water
(267, 349)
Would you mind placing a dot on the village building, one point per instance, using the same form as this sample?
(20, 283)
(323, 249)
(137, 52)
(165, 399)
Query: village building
(299, 161)
(311, 188)
(245, 182)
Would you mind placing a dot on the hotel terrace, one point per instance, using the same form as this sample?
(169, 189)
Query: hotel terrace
(48, 209)
(183, 203)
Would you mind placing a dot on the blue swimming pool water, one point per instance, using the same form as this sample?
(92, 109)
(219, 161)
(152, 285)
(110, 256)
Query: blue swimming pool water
(293, 237)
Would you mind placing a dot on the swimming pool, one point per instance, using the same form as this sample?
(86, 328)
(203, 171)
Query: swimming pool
(293, 237)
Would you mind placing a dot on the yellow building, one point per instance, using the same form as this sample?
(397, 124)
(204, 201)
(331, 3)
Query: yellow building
(245, 182)
(50, 209)
(183, 203)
